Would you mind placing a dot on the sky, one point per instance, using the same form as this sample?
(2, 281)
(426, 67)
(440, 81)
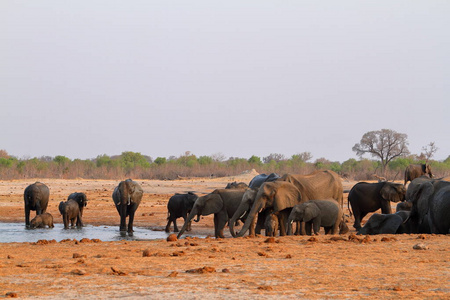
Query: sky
(236, 78)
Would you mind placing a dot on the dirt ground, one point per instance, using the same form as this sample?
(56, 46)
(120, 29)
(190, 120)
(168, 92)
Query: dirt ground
(347, 266)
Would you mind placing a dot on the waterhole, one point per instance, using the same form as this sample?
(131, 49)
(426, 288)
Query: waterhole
(16, 232)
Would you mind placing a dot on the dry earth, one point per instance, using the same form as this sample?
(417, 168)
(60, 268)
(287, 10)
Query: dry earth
(293, 267)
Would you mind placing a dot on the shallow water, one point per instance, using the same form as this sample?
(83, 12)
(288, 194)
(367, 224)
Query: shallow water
(16, 232)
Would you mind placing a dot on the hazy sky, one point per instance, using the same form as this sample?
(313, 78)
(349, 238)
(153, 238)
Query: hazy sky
(241, 78)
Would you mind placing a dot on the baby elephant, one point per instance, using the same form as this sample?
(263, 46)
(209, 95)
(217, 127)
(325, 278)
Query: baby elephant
(42, 220)
(271, 224)
(386, 224)
(70, 210)
(316, 214)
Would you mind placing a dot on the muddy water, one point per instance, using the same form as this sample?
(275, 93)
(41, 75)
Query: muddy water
(16, 232)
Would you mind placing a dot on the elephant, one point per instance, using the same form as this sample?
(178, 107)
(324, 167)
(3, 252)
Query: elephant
(127, 196)
(368, 197)
(221, 202)
(431, 208)
(256, 182)
(404, 206)
(414, 171)
(385, 224)
(271, 224)
(36, 198)
(72, 209)
(179, 206)
(236, 185)
(277, 196)
(318, 213)
(414, 185)
(243, 210)
(42, 220)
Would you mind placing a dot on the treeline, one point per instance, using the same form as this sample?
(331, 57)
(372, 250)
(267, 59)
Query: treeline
(136, 165)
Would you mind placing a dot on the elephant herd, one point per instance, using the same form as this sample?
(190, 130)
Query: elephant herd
(284, 205)
(126, 196)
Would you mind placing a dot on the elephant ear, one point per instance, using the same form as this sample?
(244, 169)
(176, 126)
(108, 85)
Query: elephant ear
(391, 193)
(213, 204)
(286, 195)
(311, 211)
(424, 168)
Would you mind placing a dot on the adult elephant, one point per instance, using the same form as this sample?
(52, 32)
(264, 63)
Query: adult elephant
(221, 202)
(318, 185)
(179, 206)
(368, 197)
(36, 198)
(258, 180)
(414, 171)
(127, 196)
(431, 208)
(275, 197)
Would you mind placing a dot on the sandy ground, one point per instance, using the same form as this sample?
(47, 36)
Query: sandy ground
(293, 267)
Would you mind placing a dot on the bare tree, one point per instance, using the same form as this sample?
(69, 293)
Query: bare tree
(275, 157)
(428, 151)
(386, 144)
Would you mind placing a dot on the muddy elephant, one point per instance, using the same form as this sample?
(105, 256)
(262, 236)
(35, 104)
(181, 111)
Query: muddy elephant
(271, 224)
(272, 196)
(414, 171)
(42, 220)
(431, 208)
(221, 202)
(127, 196)
(318, 213)
(72, 210)
(36, 198)
(385, 224)
(369, 197)
(179, 206)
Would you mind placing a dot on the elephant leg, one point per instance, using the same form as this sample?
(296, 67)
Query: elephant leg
(358, 217)
(316, 225)
(308, 228)
(175, 226)
(130, 221)
(27, 216)
(220, 220)
(189, 228)
(168, 224)
(282, 225)
(123, 217)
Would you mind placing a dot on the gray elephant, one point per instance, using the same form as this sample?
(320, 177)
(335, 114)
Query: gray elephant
(431, 208)
(179, 206)
(242, 213)
(414, 171)
(385, 224)
(42, 220)
(276, 196)
(258, 180)
(36, 198)
(72, 209)
(318, 213)
(368, 197)
(221, 202)
(236, 185)
(127, 196)
(271, 224)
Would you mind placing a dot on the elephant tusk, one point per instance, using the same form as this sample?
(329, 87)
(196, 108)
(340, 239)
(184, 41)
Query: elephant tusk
(242, 215)
(292, 221)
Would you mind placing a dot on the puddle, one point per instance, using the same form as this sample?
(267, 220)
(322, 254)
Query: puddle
(16, 232)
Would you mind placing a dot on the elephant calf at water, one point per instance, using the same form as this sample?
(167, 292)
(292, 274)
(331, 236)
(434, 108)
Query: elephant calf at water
(42, 220)
(316, 214)
(386, 224)
(179, 206)
(70, 211)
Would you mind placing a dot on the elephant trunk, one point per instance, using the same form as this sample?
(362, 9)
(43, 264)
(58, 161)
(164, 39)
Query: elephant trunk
(188, 220)
(198, 218)
(240, 212)
(256, 208)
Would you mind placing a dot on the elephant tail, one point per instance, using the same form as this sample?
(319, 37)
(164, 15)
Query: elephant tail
(348, 206)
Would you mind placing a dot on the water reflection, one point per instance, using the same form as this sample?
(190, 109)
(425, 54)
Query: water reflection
(16, 232)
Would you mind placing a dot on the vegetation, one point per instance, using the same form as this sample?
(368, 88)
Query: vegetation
(136, 165)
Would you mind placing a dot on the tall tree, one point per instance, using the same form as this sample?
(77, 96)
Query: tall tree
(428, 151)
(385, 144)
